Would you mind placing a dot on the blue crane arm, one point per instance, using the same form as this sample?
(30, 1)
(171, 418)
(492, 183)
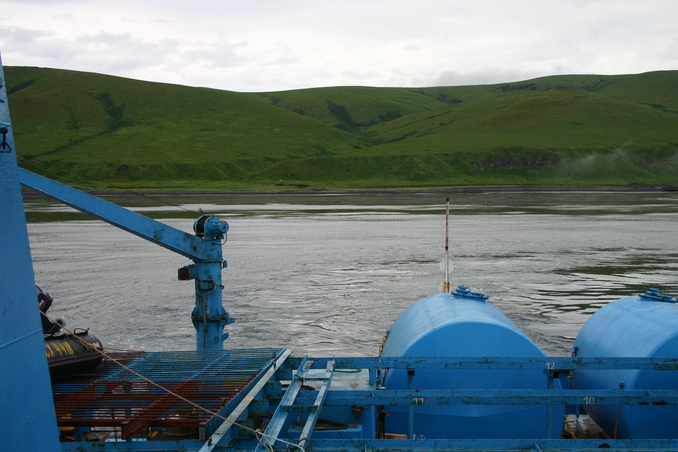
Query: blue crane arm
(180, 242)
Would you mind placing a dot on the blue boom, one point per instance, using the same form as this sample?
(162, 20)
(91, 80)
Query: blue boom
(204, 248)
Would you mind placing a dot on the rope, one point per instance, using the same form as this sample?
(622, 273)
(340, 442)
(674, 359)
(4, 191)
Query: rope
(569, 428)
(567, 424)
(183, 399)
(122, 349)
(383, 341)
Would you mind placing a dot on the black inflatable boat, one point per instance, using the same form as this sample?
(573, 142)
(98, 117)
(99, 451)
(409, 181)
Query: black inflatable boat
(67, 353)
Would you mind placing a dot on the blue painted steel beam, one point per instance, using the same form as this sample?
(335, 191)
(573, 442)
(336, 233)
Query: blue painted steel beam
(149, 229)
(405, 445)
(318, 403)
(495, 445)
(26, 407)
(186, 445)
(504, 363)
(495, 397)
(549, 408)
(285, 406)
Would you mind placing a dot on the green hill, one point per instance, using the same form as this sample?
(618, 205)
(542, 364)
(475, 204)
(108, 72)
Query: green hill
(96, 131)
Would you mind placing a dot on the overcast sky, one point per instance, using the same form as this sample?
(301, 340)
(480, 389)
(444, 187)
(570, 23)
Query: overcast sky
(271, 45)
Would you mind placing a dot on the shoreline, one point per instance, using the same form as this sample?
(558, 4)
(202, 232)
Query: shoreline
(370, 191)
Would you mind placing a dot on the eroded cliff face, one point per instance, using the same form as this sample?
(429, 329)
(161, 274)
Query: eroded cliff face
(519, 160)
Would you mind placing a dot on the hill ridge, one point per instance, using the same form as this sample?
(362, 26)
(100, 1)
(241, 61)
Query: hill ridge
(94, 130)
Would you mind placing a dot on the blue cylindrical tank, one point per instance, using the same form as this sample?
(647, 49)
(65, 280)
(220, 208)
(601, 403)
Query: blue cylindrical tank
(644, 326)
(462, 324)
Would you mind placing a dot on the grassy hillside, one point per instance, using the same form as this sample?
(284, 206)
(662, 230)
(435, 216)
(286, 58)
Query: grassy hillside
(95, 131)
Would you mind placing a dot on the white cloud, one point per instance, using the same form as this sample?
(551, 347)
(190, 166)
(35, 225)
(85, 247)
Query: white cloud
(265, 45)
(489, 76)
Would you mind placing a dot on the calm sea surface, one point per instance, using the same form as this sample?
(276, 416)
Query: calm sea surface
(326, 275)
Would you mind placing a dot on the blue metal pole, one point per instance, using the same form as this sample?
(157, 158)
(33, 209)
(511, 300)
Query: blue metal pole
(410, 408)
(550, 377)
(208, 316)
(26, 406)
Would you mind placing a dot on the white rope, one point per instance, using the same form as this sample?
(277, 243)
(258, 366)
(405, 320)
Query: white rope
(184, 399)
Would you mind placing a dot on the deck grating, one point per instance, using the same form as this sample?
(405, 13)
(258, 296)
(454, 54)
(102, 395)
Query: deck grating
(111, 396)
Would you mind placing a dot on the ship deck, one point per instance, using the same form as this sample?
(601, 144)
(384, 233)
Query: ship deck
(264, 399)
(153, 395)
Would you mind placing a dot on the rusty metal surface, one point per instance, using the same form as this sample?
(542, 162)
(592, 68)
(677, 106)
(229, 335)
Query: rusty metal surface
(112, 396)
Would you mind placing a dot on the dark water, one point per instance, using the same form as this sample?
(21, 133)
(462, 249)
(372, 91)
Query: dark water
(327, 275)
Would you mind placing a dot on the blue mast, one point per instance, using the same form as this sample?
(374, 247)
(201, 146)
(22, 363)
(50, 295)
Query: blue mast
(27, 415)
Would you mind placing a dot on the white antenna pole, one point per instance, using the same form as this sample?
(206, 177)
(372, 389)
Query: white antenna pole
(446, 283)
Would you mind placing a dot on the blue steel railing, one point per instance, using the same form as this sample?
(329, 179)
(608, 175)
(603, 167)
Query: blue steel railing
(553, 368)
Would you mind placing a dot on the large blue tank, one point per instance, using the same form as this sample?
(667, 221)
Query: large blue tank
(462, 324)
(644, 326)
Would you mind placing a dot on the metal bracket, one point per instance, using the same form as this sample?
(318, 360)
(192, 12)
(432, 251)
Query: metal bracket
(4, 146)
(465, 292)
(655, 295)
